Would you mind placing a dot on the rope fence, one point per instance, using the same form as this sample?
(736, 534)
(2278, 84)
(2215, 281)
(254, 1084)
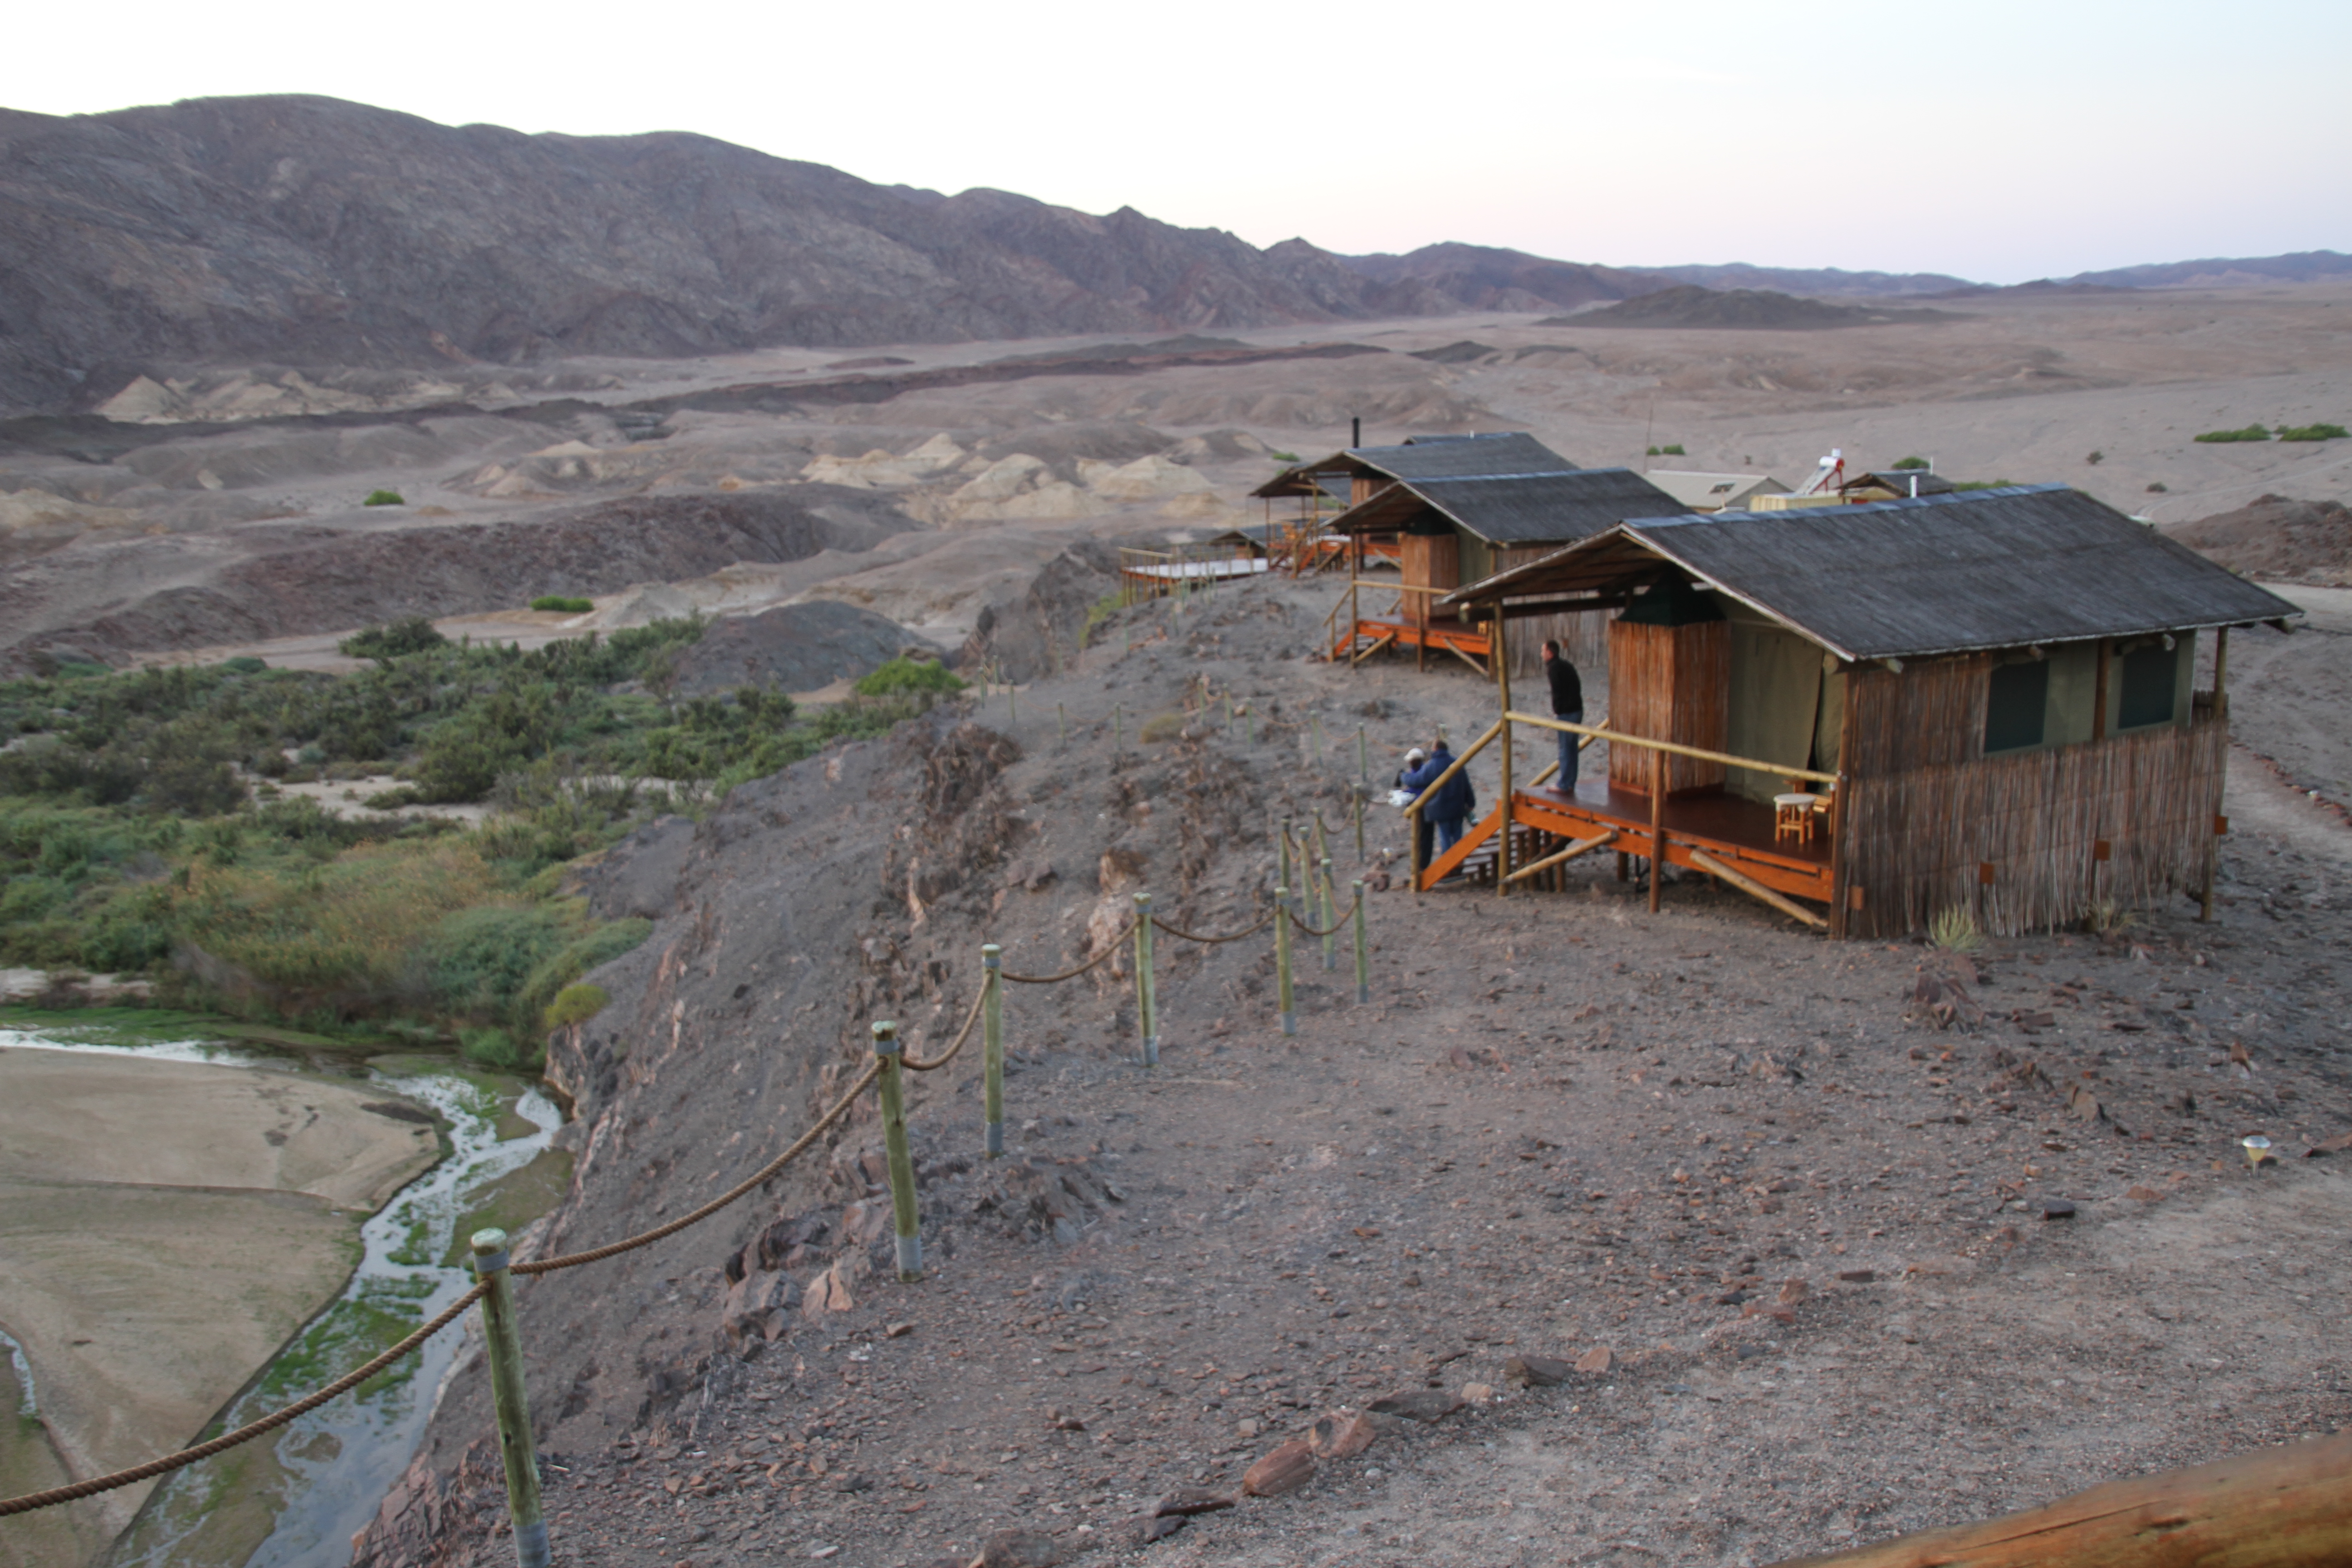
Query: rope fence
(493, 1267)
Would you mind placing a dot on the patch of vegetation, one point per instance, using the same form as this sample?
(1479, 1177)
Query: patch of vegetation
(2159, 488)
(1097, 613)
(1983, 484)
(131, 841)
(1672, 450)
(2313, 433)
(2095, 458)
(1955, 929)
(384, 497)
(1283, 457)
(903, 675)
(2251, 433)
(1903, 465)
(574, 1005)
(563, 604)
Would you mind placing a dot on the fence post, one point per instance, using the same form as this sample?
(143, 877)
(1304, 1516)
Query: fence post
(991, 1043)
(1360, 826)
(1282, 867)
(1363, 949)
(503, 1335)
(892, 1094)
(1147, 1004)
(1282, 957)
(1331, 921)
(1249, 727)
(1363, 757)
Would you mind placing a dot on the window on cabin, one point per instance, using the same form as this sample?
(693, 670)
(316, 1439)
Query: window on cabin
(2015, 704)
(2149, 676)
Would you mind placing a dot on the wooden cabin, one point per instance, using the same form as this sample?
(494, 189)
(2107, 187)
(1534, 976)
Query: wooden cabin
(1455, 529)
(1356, 474)
(1894, 484)
(1713, 492)
(1869, 715)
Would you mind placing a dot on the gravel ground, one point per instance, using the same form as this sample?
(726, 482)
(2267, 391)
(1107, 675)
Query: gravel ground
(1805, 1224)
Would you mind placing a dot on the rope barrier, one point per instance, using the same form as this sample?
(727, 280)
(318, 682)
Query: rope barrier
(801, 1146)
(647, 1238)
(1108, 949)
(937, 1062)
(1213, 941)
(245, 1434)
(1335, 926)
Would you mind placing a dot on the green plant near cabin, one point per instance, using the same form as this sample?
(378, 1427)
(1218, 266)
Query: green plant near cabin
(384, 497)
(2105, 916)
(2217, 437)
(1955, 929)
(1903, 465)
(563, 604)
(2313, 433)
(902, 675)
(1283, 457)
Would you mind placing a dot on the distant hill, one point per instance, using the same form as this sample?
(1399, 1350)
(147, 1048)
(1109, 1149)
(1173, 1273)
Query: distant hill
(2226, 271)
(1485, 278)
(1739, 309)
(1821, 282)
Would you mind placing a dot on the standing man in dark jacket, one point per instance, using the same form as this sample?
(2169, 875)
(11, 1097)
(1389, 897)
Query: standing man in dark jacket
(1451, 803)
(1567, 706)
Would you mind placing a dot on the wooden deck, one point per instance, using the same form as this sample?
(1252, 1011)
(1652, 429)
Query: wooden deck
(1199, 571)
(1733, 831)
(1376, 633)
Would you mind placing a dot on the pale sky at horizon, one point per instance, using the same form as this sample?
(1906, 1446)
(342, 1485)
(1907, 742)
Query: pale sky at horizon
(2000, 142)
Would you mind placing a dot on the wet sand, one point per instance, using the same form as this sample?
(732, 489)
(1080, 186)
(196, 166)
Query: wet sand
(164, 1227)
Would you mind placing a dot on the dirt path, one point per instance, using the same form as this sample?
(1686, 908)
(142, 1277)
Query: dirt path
(1564, 1125)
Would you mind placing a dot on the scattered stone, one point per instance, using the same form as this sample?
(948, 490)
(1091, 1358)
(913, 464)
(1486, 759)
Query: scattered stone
(2057, 1208)
(1341, 1435)
(1286, 1470)
(1018, 1549)
(1245, 1427)
(1536, 1371)
(1794, 1292)
(1732, 1299)
(758, 1308)
(1159, 1527)
(2144, 1194)
(897, 1330)
(1594, 1360)
(1477, 1392)
(1421, 1405)
(1185, 1502)
(1858, 1276)
(2319, 1151)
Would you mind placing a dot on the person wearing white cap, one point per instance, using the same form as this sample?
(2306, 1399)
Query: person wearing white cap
(1425, 828)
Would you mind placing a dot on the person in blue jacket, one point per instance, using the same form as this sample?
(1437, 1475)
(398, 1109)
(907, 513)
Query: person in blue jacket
(1452, 805)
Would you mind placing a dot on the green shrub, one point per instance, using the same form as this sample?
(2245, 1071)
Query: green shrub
(1672, 449)
(245, 664)
(494, 1048)
(477, 959)
(2251, 433)
(1984, 484)
(545, 986)
(2313, 433)
(1283, 457)
(2157, 487)
(2095, 458)
(574, 1005)
(383, 643)
(1902, 465)
(561, 604)
(903, 674)
(384, 497)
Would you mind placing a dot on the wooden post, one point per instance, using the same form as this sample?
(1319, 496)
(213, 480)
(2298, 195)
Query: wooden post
(1413, 842)
(1147, 1014)
(2220, 716)
(1363, 757)
(503, 1336)
(2099, 692)
(1282, 958)
(1841, 811)
(2273, 1507)
(1331, 921)
(1501, 657)
(2220, 669)
(1657, 824)
(1363, 949)
(991, 1046)
(1282, 863)
(891, 1093)
(1359, 828)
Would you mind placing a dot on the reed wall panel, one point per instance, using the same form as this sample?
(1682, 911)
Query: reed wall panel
(1916, 839)
(1583, 637)
(1931, 715)
(1669, 683)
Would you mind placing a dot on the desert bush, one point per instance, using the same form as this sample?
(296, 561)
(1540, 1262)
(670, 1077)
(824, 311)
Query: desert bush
(574, 1005)
(1283, 457)
(1984, 484)
(496, 1049)
(2251, 433)
(1954, 931)
(384, 497)
(2159, 488)
(2313, 433)
(1904, 465)
(401, 638)
(1160, 727)
(562, 605)
(245, 664)
(2095, 458)
(903, 674)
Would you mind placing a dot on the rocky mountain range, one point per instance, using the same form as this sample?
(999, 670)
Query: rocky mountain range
(310, 230)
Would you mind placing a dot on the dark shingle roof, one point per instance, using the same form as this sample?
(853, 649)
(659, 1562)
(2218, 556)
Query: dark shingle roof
(1515, 509)
(1949, 573)
(1428, 456)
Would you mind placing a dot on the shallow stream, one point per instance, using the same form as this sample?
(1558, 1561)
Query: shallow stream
(294, 1500)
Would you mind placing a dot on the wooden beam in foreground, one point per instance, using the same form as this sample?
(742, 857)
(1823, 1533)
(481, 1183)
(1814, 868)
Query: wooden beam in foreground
(1756, 889)
(1581, 847)
(2288, 1507)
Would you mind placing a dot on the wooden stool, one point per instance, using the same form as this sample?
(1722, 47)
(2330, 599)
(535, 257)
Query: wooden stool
(1792, 817)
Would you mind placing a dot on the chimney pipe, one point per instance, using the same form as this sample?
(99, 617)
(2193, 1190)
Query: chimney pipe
(1357, 429)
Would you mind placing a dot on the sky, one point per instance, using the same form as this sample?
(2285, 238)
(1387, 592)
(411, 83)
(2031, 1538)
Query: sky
(1995, 140)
